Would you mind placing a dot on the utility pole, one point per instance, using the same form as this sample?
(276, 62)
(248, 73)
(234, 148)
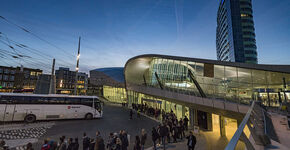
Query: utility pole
(77, 68)
(52, 83)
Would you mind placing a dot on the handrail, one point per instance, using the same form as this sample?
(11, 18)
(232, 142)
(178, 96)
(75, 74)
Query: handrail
(233, 142)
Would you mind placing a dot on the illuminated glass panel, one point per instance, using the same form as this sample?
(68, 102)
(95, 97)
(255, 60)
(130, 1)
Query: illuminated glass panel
(219, 72)
(244, 75)
(259, 76)
(199, 69)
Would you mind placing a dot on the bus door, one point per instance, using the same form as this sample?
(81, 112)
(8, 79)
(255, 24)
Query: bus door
(9, 112)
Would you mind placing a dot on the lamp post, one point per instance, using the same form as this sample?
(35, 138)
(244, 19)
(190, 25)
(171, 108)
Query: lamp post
(77, 67)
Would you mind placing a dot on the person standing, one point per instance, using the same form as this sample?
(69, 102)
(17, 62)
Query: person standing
(70, 144)
(185, 121)
(124, 140)
(45, 145)
(191, 141)
(110, 141)
(163, 134)
(99, 145)
(131, 114)
(118, 144)
(29, 146)
(76, 144)
(92, 144)
(143, 138)
(62, 144)
(138, 113)
(154, 137)
(137, 145)
(86, 142)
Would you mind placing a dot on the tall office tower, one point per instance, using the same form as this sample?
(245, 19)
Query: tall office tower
(235, 32)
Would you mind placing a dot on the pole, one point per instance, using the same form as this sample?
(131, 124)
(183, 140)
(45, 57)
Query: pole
(77, 68)
(52, 85)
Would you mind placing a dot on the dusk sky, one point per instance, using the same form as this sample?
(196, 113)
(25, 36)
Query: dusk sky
(113, 31)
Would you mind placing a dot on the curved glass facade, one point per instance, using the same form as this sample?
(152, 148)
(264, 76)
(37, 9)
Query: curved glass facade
(218, 81)
(235, 33)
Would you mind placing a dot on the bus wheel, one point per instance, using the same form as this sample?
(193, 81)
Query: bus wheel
(89, 116)
(30, 118)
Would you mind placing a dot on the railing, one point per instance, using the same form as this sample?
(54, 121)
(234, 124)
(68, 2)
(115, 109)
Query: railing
(255, 120)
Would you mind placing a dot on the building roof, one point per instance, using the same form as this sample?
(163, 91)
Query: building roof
(266, 67)
(117, 73)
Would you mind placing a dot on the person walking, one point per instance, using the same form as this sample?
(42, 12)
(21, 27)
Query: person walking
(137, 145)
(143, 138)
(191, 141)
(86, 141)
(154, 136)
(99, 145)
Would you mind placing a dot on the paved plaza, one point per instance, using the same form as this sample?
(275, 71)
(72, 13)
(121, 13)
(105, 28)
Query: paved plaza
(115, 119)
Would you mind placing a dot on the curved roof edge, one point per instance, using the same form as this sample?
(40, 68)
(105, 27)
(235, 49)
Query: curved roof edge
(274, 68)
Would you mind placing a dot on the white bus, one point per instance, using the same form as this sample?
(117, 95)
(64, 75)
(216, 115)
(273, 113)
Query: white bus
(32, 107)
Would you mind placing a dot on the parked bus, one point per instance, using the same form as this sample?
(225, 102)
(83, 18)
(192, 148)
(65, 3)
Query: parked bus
(32, 107)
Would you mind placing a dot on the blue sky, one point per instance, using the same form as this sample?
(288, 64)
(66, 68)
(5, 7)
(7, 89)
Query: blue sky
(113, 31)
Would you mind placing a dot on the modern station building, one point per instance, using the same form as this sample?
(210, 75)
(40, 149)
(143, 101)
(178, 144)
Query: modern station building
(215, 95)
(235, 32)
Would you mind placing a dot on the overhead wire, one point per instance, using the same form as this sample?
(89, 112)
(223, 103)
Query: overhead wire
(35, 35)
(42, 39)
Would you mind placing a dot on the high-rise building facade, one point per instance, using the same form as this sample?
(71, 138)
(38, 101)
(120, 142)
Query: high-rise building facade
(235, 33)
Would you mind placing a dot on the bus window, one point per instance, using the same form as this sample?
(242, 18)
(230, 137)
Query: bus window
(72, 100)
(87, 102)
(56, 100)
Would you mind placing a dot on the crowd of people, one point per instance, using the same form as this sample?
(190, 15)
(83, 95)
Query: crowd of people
(171, 130)
(116, 141)
(144, 108)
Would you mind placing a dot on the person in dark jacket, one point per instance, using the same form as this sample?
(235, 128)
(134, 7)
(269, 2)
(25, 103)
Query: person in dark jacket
(70, 145)
(143, 138)
(62, 144)
(185, 121)
(99, 145)
(174, 133)
(110, 141)
(137, 145)
(76, 144)
(118, 144)
(163, 133)
(29, 146)
(124, 140)
(191, 141)
(92, 144)
(86, 142)
(154, 137)
(131, 114)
